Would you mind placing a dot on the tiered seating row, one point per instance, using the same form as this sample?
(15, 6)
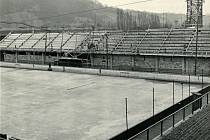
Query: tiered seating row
(75, 41)
(9, 40)
(32, 40)
(163, 41)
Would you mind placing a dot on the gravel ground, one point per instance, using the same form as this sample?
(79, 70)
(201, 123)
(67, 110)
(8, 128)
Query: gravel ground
(195, 128)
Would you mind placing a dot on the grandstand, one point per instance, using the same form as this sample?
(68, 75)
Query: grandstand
(92, 45)
(150, 41)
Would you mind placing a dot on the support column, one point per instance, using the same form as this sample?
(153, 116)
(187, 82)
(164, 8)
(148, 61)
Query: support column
(157, 62)
(43, 59)
(29, 57)
(16, 57)
(57, 55)
(57, 58)
(187, 66)
(183, 65)
(92, 60)
(133, 63)
(2, 56)
(111, 63)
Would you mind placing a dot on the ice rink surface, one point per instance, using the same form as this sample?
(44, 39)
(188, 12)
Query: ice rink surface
(41, 105)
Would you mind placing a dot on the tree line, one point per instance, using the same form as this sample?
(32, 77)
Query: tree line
(130, 20)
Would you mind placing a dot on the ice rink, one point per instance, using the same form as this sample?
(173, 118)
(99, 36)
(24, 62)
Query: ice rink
(41, 105)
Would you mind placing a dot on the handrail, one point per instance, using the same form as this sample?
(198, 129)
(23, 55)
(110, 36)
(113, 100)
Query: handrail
(166, 38)
(38, 40)
(79, 46)
(6, 37)
(123, 37)
(85, 41)
(26, 40)
(14, 40)
(68, 39)
(139, 44)
(190, 42)
(169, 115)
(53, 40)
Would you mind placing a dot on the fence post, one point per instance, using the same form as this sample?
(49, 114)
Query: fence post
(99, 71)
(200, 102)
(173, 120)
(147, 134)
(183, 113)
(207, 98)
(161, 128)
(173, 103)
(126, 116)
(192, 108)
(153, 102)
(173, 94)
(182, 90)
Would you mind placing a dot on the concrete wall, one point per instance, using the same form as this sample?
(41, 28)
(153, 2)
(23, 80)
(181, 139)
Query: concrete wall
(143, 63)
(202, 64)
(28, 58)
(162, 64)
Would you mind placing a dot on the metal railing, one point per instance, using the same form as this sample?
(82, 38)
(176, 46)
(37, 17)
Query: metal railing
(173, 119)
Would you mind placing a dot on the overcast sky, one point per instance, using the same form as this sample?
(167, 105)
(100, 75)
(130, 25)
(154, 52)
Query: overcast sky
(175, 6)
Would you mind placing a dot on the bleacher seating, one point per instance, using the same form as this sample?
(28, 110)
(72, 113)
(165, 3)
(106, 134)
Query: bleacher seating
(75, 40)
(8, 40)
(114, 37)
(33, 40)
(181, 41)
(17, 43)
